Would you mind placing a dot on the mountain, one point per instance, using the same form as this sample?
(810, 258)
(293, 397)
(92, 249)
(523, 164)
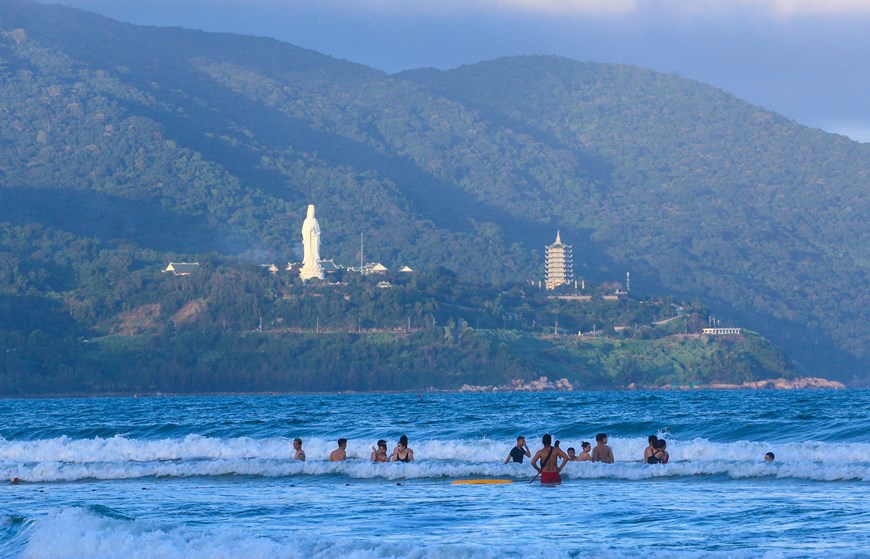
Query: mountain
(124, 146)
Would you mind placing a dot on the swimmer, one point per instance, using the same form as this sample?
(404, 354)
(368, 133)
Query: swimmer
(297, 446)
(769, 457)
(339, 454)
(549, 457)
(585, 449)
(572, 454)
(379, 453)
(517, 452)
(402, 453)
(660, 455)
(651, 447)
(602, 452)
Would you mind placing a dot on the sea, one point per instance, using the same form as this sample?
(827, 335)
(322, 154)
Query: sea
(213, 476)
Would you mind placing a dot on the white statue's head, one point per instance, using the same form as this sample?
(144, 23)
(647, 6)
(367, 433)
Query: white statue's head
(310, 211)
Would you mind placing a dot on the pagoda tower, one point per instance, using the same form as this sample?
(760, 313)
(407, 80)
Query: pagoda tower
(559, 265)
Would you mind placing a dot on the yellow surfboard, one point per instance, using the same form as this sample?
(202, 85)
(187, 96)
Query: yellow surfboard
(482, 481)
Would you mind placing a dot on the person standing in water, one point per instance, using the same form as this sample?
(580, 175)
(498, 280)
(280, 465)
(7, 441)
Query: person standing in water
(517, 452)
(297, 446)
(602, 452)
(402, 453)
(585, 448)
(379, 453)
(339, 454)
(660, 455)
(548, 457)
(651, 447)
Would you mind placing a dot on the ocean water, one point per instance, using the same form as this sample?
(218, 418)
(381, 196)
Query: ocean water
(210, 477)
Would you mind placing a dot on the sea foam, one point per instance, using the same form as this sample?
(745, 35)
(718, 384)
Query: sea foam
(79, 532)
(65, 459)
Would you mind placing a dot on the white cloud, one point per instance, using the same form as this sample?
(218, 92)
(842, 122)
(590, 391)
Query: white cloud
(818, 7)
(583, 7)
(767, 8)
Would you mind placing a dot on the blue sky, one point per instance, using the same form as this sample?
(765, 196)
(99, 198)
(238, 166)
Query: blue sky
(806, 59)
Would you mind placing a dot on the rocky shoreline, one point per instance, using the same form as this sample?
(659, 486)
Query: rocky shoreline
(544, 384)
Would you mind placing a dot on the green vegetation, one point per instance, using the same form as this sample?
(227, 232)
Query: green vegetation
(124, 147)
(235, 327)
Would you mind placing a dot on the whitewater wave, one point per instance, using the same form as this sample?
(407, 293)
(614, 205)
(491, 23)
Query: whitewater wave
(427, 469)
(78, 532)
(65, 459)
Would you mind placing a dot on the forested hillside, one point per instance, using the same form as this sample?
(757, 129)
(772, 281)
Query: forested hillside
(122, 147)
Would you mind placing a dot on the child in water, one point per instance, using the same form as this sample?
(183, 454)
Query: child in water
(379, 453)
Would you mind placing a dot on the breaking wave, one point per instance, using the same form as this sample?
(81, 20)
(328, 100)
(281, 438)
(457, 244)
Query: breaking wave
(117, 458)
(84, 532)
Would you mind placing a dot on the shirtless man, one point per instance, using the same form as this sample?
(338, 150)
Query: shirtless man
(339, 454)
(297, 446)
(648, 451)
(602, 452)
(548, 458)
(518, 451)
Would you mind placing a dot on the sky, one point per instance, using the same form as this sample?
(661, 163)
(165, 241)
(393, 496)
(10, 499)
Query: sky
(806, 59)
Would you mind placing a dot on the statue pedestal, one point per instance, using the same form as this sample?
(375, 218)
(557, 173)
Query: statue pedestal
(311, 270)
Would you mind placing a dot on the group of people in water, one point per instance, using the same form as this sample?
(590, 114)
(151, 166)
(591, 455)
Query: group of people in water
(379, 453)
(551, 459)
(548, 462)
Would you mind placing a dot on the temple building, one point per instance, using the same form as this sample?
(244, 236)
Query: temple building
(559, 265)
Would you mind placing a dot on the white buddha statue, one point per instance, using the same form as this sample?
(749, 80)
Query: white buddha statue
(311, 247)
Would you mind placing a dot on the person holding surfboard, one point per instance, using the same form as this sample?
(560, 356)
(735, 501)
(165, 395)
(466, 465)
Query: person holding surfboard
(548, 457)
(517, 452)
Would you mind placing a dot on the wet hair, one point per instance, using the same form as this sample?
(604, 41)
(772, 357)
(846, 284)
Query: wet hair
(382, 442)
(521, 438)
(585, 444)
(652, 439)
(772, 456)
(298, 440)
(600, 437)
(342, 442)
(556, 444)
(403, 440)
(571, 449)
(660, 444)
(547, 439)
